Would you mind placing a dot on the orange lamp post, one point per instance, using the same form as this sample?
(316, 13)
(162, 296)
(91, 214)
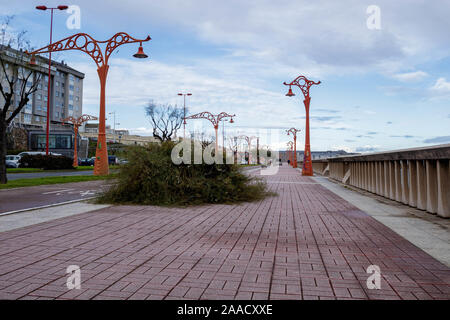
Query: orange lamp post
(214, 119)
(290, 145)
(304, 84)
(87, 44)
(294, 131)
(77, 122)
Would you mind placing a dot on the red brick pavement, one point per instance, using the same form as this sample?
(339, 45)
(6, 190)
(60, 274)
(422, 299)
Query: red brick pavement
(307, 243)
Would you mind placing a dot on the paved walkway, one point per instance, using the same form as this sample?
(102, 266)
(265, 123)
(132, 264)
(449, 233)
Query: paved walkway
(307, 243)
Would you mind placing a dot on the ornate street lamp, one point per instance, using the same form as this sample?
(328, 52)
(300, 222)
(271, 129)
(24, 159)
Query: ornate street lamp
(290, 145)
(184, 112)
(87, 44)
(304, 84)
(47, 131)
(77, 122)
(214, 119)
(294, 131)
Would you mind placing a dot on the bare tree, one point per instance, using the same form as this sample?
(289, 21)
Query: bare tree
(16, 84)
(233, 144)
(165, 119)
(204, 139)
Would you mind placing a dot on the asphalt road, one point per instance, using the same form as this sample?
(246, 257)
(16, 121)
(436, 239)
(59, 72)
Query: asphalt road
(15, 176)
(38, 196)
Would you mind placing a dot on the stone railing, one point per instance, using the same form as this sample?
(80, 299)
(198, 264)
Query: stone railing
(417, 177)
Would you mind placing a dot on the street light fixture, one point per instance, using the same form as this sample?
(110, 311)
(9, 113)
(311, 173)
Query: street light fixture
(87, 44)
(33, 62)
(304, 84)
(77, 122)
(114, 113)
(294, 131)
(214, 119)
(290, 145)
(184, 112)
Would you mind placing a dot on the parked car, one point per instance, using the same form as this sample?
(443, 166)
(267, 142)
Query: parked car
(11, 164)
(13, 160)
(37, 152)
(86, 162)
(122, 161)
(112, 160)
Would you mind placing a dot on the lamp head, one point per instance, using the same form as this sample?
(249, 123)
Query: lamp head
(140, 54)
(41, 8)
(63, 7)
(32, 61)
(231, 121)
(290, 93)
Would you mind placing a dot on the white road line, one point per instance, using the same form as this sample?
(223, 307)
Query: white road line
(58, 191)
(46, 206)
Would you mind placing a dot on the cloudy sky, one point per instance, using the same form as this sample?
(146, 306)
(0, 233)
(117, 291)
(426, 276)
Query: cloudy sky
(381, 89)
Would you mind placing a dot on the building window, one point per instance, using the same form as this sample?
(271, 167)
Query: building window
(27, 118)
(37, 118)
(70, 107)
(55, 141)
(57, 93)
(39, 96)
(57, 83)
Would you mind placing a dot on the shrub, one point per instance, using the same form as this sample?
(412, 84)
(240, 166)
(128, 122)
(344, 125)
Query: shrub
(50, 162)
(151, 178)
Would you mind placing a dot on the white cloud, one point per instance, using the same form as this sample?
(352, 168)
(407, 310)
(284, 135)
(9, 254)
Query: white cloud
(441, 86)
(410, 76)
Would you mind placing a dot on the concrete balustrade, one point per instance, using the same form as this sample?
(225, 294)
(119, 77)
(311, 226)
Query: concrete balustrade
(417, 177)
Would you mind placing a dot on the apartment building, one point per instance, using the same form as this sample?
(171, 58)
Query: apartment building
(66, 98)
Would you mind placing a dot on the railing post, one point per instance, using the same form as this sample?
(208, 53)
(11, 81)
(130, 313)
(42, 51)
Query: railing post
(443, 178)
(377, 182)
(386, 179)
(431, 173)
(421, 185)
(405, 186)
(367, 184)
(381, 173)
(398, 183)
(412, 170)
(392, 193)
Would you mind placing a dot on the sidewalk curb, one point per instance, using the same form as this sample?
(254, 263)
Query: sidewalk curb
(46, 206)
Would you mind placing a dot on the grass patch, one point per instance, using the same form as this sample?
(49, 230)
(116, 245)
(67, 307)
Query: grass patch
(34, 170)
(19, 183)
(151, 178)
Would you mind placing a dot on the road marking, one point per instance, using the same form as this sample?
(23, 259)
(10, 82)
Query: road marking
(58, 191)
(46, 206)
